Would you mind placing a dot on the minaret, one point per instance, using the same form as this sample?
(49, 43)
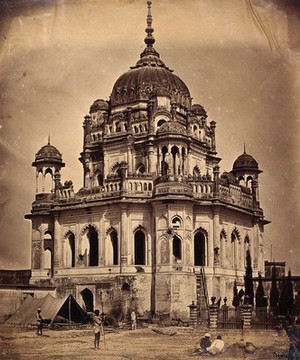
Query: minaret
(48, 163)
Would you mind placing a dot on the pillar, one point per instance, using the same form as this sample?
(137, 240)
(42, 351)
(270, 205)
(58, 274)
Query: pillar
(193, 313)
(57, 249)
(123, 237)
(246, 314)
(213, 315)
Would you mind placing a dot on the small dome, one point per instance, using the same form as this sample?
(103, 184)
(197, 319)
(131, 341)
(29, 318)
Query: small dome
(198, 109)
(99, 104)
(48, 153)
(245, 162)
(173, 127)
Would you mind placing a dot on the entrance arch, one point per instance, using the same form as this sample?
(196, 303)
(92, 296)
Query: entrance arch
(88, 300)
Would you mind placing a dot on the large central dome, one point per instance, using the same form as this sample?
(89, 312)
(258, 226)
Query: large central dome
(149, 77)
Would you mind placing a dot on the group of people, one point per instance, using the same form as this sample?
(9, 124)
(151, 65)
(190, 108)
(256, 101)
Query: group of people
(97, 325)
(207, 346)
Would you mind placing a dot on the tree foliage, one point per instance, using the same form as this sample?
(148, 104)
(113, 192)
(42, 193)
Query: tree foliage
(274, 294)
(236, 298)
(248, 279)
(260, 298)
(286, 302)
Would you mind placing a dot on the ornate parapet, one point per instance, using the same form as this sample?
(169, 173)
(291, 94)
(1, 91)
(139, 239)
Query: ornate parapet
(235, 194)
(172, 185)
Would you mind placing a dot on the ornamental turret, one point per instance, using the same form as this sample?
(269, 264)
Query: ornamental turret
(48, 163)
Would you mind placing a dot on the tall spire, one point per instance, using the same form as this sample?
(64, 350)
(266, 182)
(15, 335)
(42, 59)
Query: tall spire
(149, 39)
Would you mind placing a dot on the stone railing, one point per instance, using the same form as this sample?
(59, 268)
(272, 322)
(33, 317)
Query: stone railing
(142, 186)
(234, 194)
(203, 189)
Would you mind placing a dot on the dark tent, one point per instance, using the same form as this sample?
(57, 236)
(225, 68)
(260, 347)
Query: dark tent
(53, 310)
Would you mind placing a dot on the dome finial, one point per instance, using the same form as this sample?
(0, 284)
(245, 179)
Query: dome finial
(149, 39)
(49, 139)
(244, 148)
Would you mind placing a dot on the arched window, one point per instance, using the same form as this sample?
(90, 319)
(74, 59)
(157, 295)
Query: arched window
(242, 181)
(141, 169)
(100, 179)
(114, 247)
(47, 259)
(164, 165)
(88, 300)
(176, 222)
(199, 249)
(175, 157)
(139, 248)
(48, 181)
(70, 251)
(118, 127)
(196, 172)
(183, 155)
(160, 122)
(234, 249)
(177, 248)
(90, 246)
(249, 182)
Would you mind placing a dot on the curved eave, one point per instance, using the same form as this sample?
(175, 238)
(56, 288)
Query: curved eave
(48, 162)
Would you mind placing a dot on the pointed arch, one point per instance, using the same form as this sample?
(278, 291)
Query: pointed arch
(140, 227)
(200, 245)
(139, 247)
(203, 230)
(177, 248)
(112, 246)
(235, 235)
(164, 250)
(69, 249)
(247, 239)
(249, 181)
(162, 222)
(90, 245)
(196, 172)
(87, 299)
(48, 259)
(140, 168)
(223, 241)
(223, 234)
(164, 163)
(176, 221)
(235, 249)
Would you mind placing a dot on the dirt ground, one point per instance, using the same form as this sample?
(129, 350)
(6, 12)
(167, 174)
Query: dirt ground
(155, 343)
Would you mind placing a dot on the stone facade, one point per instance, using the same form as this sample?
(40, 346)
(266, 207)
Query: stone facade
(153, 208)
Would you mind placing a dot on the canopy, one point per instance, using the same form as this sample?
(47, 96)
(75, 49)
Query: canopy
(52, 311)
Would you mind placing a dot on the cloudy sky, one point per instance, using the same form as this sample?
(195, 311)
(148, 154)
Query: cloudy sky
(239, 58)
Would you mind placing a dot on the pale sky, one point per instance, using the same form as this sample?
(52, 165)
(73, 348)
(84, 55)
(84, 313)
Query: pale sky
(239, 58)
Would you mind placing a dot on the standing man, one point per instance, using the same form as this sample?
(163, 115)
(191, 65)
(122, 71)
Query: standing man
(97, 329)
(39, 322)
(133, 320)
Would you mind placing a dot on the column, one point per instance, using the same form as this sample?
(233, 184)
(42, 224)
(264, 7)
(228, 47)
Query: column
(57, 249)
(124, 237)
(151, 160)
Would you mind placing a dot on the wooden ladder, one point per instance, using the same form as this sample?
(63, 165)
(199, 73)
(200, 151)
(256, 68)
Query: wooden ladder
(202, 296)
